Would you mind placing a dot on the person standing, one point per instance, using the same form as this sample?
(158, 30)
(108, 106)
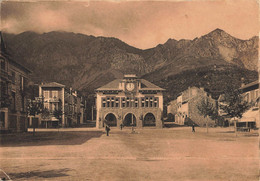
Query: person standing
(193, 127)
(107, 130)
(121, 126)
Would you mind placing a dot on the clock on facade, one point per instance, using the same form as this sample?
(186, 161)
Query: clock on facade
(130, 86)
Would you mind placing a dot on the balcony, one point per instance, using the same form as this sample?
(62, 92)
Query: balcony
(53, 99)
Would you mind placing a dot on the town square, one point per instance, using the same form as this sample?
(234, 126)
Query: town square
(171, 154)
(129, 90)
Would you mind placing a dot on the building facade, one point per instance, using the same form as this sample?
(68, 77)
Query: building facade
(129, 101)
(250, 93)
(74, 109)
(53, 95)
(56, 97)
(13, 92)
(185, 109)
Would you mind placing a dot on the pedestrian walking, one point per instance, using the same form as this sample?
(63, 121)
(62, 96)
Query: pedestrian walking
(133, 129)
(107, 130)
(193, 128)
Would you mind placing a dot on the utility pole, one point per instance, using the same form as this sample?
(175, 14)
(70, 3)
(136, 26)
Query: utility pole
(207, 124)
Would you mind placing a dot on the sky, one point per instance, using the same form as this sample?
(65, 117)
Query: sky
(142, 24)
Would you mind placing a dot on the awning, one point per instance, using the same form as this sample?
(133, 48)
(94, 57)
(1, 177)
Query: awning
(251, 115)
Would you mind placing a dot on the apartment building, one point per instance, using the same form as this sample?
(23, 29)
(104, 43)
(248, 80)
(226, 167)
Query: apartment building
(14, 78)
(185, 109)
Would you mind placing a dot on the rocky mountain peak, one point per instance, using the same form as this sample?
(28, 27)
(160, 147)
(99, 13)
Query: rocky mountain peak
(87, 62)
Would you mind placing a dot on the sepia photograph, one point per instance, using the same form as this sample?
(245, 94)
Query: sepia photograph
(124, 90)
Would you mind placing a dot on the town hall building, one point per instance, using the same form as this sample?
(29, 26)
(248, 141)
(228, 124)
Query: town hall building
(131, 102)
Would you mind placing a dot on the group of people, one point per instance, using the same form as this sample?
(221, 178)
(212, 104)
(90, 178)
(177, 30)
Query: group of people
(121, 127)
(107, 128)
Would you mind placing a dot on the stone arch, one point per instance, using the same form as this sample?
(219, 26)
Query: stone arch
(129, 119)
(110, 120)
(149, 119)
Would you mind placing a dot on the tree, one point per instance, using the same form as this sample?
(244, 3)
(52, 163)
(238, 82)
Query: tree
(34, 108)
(46, 115)
(233, 104)
(57, 113)
(207, 109)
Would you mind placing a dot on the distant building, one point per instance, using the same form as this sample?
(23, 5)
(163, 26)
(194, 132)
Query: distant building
(185, 110)
(53, 95)
(56, 97)
(250, 118)
(14, 78)
(250, 92)
(74, 109)
(129, 101)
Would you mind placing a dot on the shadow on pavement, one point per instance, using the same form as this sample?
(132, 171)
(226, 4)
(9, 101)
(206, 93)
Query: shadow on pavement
(226, 132)
(48, 138)
(40, 174)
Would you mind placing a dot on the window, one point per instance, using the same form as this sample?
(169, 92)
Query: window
(2, 64)
(103, 102)
(246, 98)
(123, 102)
(4, 88)
(127, 102)
(46, 94)
(112, 102)
(108, 101)
(142, 101)
(155, 102)
(13, 101)
(147, 102)
(252, 96)
(22, 104)
(55, 94)
(117, 102)
(136, 102)
(13, 77)
(151, 102)
(132, 102)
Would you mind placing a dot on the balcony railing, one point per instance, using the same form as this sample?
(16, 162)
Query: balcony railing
(53, 99)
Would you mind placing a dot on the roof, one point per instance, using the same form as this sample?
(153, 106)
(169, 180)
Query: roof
(5, 55)
(250, 84)
(52, 84)
(149, 86)
(145, 85)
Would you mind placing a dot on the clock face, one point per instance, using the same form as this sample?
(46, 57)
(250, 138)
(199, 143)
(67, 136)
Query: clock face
(130, 86)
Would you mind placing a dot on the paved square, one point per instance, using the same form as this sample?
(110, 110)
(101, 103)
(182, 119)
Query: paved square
(150, 154)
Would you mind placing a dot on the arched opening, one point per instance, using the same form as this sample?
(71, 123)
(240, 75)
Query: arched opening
(110, 120)
(149, 120)
(129, 120)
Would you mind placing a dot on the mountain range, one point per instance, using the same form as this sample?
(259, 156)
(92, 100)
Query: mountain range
(87, 62)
